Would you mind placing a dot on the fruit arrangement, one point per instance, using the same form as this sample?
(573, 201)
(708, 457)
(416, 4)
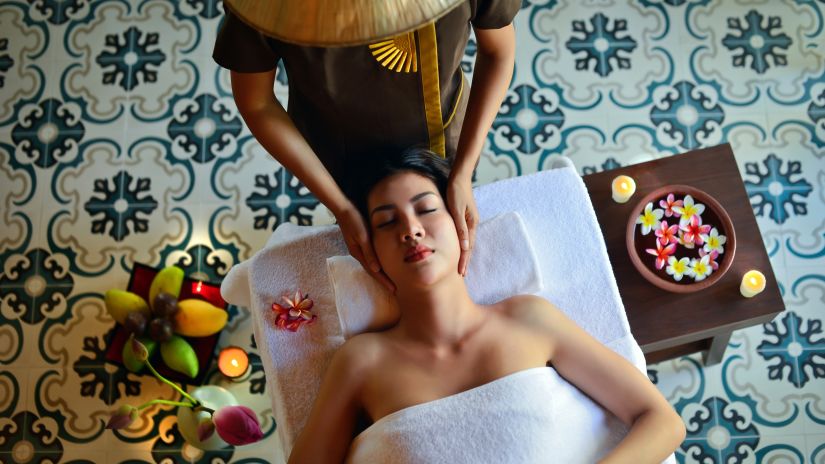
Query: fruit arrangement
(164, 321)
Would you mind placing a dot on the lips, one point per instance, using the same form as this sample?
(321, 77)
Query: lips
(417, 253)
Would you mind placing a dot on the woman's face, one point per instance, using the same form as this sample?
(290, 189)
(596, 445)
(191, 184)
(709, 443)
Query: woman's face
(413, 234)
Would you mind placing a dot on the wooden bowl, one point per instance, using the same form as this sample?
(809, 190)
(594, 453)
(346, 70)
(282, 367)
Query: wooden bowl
(645, 263)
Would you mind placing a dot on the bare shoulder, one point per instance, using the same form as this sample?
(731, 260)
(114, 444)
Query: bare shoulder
(529, 310)
(358, 354)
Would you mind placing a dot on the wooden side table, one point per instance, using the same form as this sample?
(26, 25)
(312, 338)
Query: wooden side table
(667, 325)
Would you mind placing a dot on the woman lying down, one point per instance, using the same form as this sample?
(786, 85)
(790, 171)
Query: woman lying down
(446, 350)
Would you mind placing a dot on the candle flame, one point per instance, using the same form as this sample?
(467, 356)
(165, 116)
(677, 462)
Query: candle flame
(753, 280)
(624, 185)
(234, 362)
(198, 287)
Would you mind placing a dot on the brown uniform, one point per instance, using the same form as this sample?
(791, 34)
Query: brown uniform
(346, 103)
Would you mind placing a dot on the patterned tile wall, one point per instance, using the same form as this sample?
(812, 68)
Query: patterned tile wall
(120, 143)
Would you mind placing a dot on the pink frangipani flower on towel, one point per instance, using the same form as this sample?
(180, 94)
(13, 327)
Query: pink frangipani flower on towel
(295, 313)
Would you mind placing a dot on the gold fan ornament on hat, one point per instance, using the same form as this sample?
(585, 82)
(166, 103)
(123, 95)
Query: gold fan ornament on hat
(329, 23)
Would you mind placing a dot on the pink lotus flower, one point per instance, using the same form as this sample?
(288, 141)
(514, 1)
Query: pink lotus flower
(295, 313)
(668, 205)
(712, 260)
(662, 253)
(237, 425)
(666, 234)
(694, 230)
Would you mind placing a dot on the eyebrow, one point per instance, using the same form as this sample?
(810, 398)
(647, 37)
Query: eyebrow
(412, 200)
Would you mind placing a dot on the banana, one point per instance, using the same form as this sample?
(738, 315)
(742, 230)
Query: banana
(198, 318)
(168, 280)
(129, 355)
(120, 303)
(178, 354)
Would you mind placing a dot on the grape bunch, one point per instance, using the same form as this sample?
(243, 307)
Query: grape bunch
(160, 327)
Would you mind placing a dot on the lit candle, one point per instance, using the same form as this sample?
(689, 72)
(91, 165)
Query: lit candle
(233, 362)
(623, 188)
(752, 284)
(198, 287)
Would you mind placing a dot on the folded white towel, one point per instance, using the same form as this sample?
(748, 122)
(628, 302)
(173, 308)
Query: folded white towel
(503, 264)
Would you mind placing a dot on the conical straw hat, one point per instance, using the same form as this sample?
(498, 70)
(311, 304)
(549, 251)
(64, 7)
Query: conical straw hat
(338, 22)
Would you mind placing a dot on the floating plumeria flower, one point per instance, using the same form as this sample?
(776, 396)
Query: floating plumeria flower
(714, 241)
(662, 253)
(668, 205)
(712, 261)
(295, 313)
(681, 240)
(688, 210)
(666, 234)
(694, 230)
(701, 268)
(678, 268)
(650, 218)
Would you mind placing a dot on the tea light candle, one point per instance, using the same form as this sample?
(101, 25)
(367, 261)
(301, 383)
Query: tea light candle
(623, 188)
(233, 362)
(753, 282)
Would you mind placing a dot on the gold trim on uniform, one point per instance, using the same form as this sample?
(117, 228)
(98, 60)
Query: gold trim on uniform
(428, 48)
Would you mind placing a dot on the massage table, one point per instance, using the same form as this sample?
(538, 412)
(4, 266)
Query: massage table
(568, 265)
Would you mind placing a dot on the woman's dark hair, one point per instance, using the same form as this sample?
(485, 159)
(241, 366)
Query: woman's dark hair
(421, 161)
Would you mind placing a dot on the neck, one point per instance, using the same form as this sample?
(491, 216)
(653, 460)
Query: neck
(440, 317)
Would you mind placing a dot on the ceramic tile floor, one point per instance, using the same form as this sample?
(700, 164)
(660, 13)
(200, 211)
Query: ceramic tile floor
(119, 143)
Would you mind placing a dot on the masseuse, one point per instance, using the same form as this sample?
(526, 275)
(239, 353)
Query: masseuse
(370, 82)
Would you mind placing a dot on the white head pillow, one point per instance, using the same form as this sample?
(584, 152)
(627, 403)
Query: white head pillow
(503, 264)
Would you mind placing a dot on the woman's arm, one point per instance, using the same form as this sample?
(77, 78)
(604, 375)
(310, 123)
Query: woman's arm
(493, 71)
(274, 130)
(656, 430)
(328, 432)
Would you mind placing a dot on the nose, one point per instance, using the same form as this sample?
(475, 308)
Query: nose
(412, 231)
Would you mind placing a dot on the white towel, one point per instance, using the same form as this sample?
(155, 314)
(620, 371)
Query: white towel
(528, 417)
(503, 264)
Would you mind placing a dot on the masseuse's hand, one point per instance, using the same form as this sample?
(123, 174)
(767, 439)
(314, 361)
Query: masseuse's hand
(462, 207)
(358, 242)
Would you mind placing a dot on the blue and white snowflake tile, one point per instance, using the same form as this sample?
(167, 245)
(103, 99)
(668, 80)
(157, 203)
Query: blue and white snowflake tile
(805, 297)
(775, 407)
(132, 209)
(748, 48)
(604, 51)
(794, 182)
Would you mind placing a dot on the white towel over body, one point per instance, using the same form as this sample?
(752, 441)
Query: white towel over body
(531, 416)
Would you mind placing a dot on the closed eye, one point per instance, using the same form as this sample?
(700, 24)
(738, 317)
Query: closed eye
(391, 221)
